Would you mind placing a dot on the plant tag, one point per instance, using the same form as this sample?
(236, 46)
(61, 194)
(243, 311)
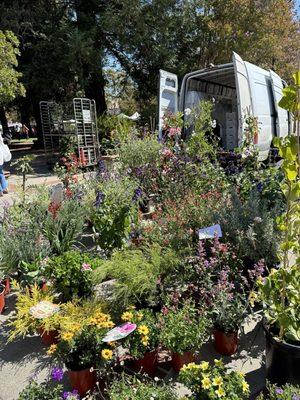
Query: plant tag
(119, 332)
(210, 232)
(43, 309)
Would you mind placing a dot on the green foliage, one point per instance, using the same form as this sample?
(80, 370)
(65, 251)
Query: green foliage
(114, 130)
(10, 87)
(212, 382)
(136, 273)
(286, 392)
(135, 389)
(23, 167)
(111, 210)
(184, 329)
(62, 225)
(201, 143)
(229, 314)
(290, 99)
(44, 391)
(71, 274)
(250, 227)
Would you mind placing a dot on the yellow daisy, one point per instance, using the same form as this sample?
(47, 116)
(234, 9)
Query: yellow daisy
(145, 340)
(218, 381)
(92, 321)
(204, 365)
(218, 363)
(67, 336)
(107, 354)
(139, 316)
(220, 392)
(143, 330)
(245, 387)
(52, 349)
(206, 383)
(127, 316)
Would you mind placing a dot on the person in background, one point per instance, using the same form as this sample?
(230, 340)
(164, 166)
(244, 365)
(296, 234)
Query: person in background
(25, 131)
(5, 156)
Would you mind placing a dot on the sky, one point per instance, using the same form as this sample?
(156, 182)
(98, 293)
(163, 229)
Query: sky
(298, 7)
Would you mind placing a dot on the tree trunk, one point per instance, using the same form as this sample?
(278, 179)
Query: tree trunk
(95, 90)
(6, 134)
(25, 111)
(39, 131)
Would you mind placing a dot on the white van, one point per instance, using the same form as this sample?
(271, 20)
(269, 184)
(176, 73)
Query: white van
(238, 89)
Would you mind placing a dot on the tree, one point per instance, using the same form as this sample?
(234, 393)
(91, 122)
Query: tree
(10, 86)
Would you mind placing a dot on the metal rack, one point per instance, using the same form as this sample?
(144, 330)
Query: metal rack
(78, 119)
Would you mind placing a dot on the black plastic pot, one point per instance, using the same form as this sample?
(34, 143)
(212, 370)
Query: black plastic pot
(282, 361)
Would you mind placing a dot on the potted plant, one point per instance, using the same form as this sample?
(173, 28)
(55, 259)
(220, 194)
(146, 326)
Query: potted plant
(2, 297)
(143, 342)
(228, 314)
(280, 290)
(71, 274)
(286, 392)
(183, 331)
(35, 313)
(83, 325)
(134, 388)
(213, 382)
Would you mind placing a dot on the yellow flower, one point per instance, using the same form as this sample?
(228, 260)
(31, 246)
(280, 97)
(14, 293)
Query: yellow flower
(204, 365)
(132, 307)
(127, 316)
(145, 340)
(143, 330)
(107, 354)
(252, 298)
(112, 344)
(139, 316)
(67, 336)
(108, 324)
(52, 349)
(92, 321)
(74, 327)
(220, 392)
(206, 383)
(241, 374)
(218, 381)
(218, 363)
(245, 386)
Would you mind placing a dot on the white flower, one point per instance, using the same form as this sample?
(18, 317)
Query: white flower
(187, 111)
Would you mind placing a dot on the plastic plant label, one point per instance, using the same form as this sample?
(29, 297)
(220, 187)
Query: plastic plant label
(210, 232)
(119, 332)
(43, 309)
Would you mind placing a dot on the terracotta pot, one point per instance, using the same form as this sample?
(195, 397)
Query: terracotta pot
(6, 283)
(48, 338)
(83, 380)
(2, 298)
(179, 360)
(44, 287)
(226, 343)
(147, 364)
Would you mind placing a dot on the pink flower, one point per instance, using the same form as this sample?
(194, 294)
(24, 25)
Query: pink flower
(86, 267)
(167, 153)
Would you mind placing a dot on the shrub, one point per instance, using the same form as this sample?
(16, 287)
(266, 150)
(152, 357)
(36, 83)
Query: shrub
(214, 381)
(71, 274)
(135, 389)
(136, 273)
(44, 391)
(286, 392)
(184, 329)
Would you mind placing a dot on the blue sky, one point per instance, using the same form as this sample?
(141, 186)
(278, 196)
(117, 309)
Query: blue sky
(298, 6)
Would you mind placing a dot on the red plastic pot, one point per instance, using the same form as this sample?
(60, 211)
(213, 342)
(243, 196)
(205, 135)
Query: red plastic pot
(6, 283)
(226, 343)
(147, 364)
(2, 298)
(179, 360)
(48, 338)
(83, 380)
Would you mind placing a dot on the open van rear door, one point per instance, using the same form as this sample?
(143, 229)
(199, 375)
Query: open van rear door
(168, 96)
(282, 116)
(244, 101)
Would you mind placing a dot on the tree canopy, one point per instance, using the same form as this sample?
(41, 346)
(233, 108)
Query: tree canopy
(65, 44)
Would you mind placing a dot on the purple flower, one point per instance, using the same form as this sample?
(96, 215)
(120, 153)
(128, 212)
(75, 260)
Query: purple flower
(279, 391)
(71, 395)
(57, 374)
(295, 397)
(137, 194)
(259, 187)
(100, 196)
